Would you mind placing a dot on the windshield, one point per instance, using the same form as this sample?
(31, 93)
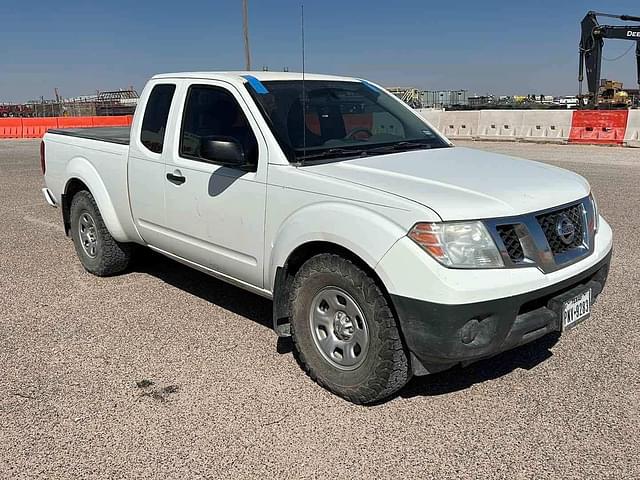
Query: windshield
(340, 120)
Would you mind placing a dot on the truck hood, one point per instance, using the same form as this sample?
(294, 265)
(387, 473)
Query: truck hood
(462, 183)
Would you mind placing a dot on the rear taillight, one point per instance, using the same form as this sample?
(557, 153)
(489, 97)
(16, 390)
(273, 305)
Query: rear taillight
(43, 165)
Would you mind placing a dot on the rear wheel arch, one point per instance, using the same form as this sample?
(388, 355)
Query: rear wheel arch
(82, 175)
(73, 186)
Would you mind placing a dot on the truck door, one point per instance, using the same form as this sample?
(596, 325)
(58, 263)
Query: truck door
(216, 213)
(147, 152)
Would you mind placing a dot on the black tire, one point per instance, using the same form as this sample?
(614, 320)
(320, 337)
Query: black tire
(110, 257)
(385, 368)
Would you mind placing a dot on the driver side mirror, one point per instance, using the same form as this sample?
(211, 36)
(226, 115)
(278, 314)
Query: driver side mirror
(223, 150)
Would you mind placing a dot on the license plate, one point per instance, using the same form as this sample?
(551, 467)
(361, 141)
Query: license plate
(576, 310)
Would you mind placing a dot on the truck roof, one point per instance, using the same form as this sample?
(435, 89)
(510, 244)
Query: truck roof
(260, 75)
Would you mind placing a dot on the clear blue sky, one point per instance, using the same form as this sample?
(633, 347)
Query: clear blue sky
(501, 47)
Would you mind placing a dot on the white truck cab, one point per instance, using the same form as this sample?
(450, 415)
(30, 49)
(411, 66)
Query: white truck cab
(387, 251)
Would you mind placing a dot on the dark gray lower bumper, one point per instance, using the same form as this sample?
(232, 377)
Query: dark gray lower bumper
(440, 336)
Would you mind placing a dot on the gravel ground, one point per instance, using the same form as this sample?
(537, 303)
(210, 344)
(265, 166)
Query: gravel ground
(227, 400)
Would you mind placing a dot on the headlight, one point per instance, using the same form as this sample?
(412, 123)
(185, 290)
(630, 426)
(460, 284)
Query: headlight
(458, 244)
(596, 215)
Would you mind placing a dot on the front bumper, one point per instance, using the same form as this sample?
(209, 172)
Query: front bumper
(440, 336)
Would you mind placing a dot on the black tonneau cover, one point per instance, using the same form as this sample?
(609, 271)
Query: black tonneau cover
(103, 134)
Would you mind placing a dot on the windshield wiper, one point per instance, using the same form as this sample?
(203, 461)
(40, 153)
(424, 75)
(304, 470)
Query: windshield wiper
(400, 146)
(363, 152)
(333, 153)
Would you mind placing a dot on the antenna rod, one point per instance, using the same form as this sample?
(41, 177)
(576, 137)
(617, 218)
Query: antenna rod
(245, 31)
(304, 97)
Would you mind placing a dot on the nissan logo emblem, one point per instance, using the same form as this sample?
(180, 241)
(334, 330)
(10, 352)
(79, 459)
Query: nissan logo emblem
(565, 229)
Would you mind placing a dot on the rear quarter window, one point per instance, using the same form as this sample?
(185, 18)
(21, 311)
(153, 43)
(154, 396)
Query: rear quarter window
(156, 114)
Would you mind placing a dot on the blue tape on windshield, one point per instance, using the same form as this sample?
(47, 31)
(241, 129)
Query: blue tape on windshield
(370, 86)
(256, 84)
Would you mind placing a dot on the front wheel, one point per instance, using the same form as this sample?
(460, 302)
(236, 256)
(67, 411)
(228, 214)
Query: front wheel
(344, 331)
(98, 251)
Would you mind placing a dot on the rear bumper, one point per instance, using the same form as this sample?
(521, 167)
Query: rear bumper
(440, 336)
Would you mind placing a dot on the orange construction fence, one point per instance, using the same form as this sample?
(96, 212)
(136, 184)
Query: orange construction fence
(75, 122)
(36, 127)
(120, 121)
(10, 128)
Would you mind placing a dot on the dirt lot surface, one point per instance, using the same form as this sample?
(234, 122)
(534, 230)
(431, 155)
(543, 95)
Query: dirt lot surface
(164, 372)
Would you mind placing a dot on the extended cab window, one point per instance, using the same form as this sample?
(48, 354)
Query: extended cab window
(155, 118)
(212, 112)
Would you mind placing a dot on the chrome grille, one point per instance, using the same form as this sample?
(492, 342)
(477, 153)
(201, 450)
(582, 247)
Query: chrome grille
(533, 239)
(549, 221)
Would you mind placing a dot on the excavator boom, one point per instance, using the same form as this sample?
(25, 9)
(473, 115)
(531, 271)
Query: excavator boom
(592, 41)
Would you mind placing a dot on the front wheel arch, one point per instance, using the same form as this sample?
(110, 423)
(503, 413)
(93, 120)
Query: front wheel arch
(286, 273)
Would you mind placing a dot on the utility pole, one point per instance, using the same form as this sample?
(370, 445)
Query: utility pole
(245, 29)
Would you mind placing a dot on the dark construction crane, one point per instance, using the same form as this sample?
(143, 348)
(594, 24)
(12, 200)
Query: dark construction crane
(592, 41)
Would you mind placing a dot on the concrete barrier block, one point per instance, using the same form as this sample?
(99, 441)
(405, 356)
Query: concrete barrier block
(632, 134)
(602, 127)
(500, 124)
(545, 126)
(431, 115)
(460, 124)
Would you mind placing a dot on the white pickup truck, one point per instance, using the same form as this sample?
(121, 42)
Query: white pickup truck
(387, 251)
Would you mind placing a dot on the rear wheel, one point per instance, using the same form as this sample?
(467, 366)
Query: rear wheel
(99, 253)
(345, 334)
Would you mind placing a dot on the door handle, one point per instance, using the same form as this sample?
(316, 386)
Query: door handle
(176, 178)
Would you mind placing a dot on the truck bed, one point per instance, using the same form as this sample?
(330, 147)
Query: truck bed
(103, 134)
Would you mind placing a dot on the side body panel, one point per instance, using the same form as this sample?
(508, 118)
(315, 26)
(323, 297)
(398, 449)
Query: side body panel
(216, 217)
(146, 174)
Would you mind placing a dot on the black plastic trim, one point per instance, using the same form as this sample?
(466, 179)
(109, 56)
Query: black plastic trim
(435, 333)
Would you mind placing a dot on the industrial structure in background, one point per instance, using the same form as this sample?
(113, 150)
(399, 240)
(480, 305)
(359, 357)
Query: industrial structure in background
(445, 98)
(410, 96)
(612, 95)
(591, 44)
(107, 103)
